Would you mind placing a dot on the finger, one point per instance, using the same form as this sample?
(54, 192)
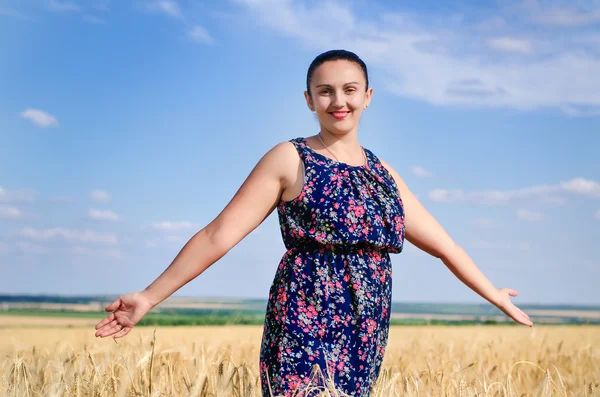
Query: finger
(107, 320)
(512, 292)
(523, 313)
(106, 330)
(524, 318)
(106, 327)
(113, 306)
(122, 333)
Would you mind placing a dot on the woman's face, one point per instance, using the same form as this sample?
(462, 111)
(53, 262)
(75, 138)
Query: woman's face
(338, 95)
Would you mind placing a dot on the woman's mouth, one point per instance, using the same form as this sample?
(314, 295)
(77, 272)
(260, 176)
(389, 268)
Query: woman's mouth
(340, 114)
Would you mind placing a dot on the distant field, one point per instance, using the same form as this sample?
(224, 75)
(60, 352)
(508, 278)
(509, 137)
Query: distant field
(219, 311)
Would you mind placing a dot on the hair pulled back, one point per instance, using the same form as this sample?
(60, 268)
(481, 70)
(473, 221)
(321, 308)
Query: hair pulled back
(335, 55)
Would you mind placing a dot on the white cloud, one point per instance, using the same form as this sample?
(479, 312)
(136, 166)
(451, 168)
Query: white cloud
(444, 62)
(567, 17)
(184, 225)
(63, 6)
(485, 223)
(10, 212)
(597, 215)
(167, 7)
(508, 44)
(100, 195)
(39, 117)
(103, 215)
(30, 248)
(87, 236)
(201, 35)
(580, 186)
(530, 216)
(421, 172)
(21, 195)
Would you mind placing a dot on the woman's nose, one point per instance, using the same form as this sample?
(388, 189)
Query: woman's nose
(338, 100)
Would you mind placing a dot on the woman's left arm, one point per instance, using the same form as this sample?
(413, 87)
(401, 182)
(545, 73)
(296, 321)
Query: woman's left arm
(424, 231)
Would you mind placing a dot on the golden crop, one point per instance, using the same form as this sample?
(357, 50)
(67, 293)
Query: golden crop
(223, 361)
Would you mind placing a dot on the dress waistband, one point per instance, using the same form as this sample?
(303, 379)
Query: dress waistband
(313, 246)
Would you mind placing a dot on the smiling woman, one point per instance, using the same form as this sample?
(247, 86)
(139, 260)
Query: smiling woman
(342, 212)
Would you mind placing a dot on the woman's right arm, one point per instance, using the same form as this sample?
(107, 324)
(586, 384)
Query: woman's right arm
(253, 202)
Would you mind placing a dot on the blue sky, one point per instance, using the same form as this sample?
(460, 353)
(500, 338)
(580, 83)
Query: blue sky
(126, 126)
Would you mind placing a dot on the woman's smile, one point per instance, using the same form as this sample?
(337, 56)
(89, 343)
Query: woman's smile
(340, 114)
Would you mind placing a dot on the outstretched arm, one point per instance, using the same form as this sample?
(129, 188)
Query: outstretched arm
(253, 202)
(423, 231)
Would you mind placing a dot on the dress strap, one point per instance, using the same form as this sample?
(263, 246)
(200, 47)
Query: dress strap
(300, 147)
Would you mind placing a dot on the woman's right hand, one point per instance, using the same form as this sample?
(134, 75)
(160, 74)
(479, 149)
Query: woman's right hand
(126, 311)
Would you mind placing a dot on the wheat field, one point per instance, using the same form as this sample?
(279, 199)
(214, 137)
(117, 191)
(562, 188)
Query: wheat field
(223, 361)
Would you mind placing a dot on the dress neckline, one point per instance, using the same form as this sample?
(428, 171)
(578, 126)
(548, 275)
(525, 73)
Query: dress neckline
(366, 166)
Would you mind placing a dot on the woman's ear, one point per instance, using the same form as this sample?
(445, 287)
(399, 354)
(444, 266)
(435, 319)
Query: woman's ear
(368, 96)
(309, 101)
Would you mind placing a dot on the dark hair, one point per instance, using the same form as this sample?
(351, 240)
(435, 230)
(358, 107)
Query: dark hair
(335, 55)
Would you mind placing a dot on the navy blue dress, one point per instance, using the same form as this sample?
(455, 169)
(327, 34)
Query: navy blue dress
(328, 312)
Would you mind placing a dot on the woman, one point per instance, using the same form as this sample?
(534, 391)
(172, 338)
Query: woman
(342, 211)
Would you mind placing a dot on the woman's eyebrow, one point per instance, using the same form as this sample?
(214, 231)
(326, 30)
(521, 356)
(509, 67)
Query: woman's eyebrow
(328, 85)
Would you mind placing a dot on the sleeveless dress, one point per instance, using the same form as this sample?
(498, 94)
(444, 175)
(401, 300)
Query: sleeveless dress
(329, 305)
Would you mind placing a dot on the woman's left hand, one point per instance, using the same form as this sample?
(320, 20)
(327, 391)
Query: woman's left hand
(511, 310)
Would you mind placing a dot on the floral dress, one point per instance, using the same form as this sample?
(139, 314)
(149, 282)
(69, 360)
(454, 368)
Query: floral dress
(329, 305)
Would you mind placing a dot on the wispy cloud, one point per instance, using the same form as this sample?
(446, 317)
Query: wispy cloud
(508, 44)
(166, 225)
(166, 7)
(30, 248)
(10, 212)
(63, 6)
(103, 215)
(444, 62)
(100, 195)
(39, 117)
(200, 35)
(579, 186)
(20, 195)
(530, 216)
(421, 172)
(87, 236)
(567, 17)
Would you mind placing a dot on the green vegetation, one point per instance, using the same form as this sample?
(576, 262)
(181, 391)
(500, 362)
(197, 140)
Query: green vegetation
(252, 312)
